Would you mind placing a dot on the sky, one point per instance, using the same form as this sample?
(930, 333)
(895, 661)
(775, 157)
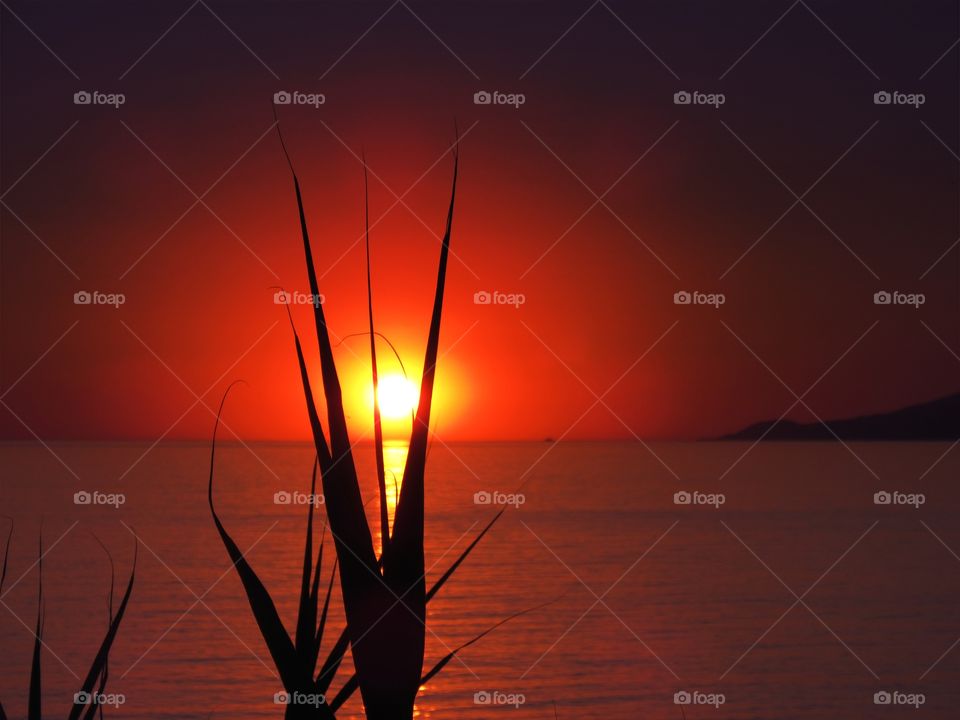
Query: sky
(783, 198)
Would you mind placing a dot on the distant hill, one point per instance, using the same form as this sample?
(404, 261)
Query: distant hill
(934, 420)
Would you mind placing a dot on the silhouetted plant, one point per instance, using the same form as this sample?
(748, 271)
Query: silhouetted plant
(384, 596)
(87, 700)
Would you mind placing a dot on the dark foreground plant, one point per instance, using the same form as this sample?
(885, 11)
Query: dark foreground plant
(87, 700)
(385, 596)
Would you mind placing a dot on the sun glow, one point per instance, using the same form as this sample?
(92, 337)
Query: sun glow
(398, 396)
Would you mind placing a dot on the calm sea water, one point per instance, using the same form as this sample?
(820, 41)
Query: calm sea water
(797, 597)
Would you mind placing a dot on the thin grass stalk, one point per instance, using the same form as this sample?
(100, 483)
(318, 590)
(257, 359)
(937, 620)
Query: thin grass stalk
(99, 664)
(281, 649)
(377, 424)
(305, 637)
(3, 577)
(34, 702)
(105, 675)
(295, 663)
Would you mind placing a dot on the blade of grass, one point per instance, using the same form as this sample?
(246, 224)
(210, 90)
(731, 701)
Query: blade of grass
(316, 427)
(34, 710)
(345, 509)
(393, 348)
(315, 588)
(377, 424)
(265, 613)
(6, 558)
(352, 684)
(463, 556)
(105, 674)
(449, 656)
(347, 499)
(349, 688)
(330, 666)
(100, 660)
(307, 613)
(323, 616)
(3, 576)
(405, 567)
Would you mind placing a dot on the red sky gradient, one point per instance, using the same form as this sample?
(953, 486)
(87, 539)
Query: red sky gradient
(596, 298)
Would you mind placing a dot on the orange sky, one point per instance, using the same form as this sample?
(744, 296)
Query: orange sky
(199, 308)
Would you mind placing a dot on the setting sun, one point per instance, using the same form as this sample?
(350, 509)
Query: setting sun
(398, 396)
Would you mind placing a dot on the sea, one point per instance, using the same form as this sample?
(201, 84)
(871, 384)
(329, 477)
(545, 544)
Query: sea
(662, 580)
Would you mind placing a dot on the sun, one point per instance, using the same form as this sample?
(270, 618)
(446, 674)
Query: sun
(398, 396)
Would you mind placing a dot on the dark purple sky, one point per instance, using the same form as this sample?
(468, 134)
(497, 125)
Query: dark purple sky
(797, 199)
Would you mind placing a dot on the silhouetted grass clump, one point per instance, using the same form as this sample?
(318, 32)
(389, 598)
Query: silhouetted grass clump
(384, 596)
(87, 700)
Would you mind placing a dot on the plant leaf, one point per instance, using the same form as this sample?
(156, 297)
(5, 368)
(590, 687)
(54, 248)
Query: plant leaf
(449, 656)
(34, 711)
(264, 611)
(463, 556)
(307, 613)
(377, 423)
(100, 660)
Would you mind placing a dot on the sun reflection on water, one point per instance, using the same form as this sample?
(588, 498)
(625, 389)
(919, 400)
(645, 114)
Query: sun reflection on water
(394, 459)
